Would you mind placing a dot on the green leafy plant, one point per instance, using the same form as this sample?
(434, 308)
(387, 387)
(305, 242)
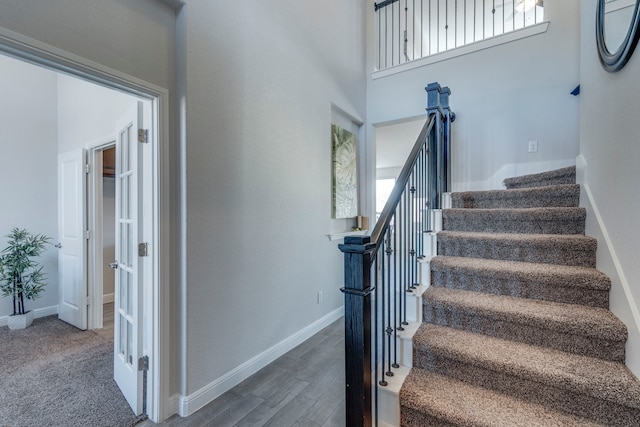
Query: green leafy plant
(21, 276)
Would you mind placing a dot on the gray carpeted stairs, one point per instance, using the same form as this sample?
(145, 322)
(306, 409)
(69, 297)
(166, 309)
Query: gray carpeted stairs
(516, 328)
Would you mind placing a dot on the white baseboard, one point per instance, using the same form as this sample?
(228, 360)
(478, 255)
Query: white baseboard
(622, 302)
(38, 312)
(191, 403)
(173, 406)
(108, 298)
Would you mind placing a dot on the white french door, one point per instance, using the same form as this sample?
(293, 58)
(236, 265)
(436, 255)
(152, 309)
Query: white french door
(128, 302)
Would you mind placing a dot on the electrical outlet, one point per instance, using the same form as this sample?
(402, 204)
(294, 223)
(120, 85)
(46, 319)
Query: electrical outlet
(320, 297)
(533, 146)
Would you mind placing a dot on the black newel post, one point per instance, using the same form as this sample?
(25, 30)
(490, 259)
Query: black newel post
(358, 253)
(434, 96)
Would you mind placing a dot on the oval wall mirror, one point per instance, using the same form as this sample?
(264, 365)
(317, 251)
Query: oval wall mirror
(616, 31)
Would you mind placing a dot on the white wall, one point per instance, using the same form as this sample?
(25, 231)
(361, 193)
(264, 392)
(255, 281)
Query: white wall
(261, 81)
(610, 147)
(87, 113)
(28, 165)
(503, 97)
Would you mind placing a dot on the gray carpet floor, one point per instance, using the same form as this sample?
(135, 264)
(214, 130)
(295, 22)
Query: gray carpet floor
(56, 375)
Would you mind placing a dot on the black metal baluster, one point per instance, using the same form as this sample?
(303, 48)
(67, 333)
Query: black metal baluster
(381, 254)
(430, 27)
(400, 253)
(376, 332)
(438, 27)
(484, 17)
(399, 34)
(446, 24)
(406, 249)
(393, 35)
(379, 39)
(475, 12)
(389, 331)
(493, 18)
(413, 28)
(386, 39)
(504, 29)
(396, 297)
(455, 23)
(406, 29)
(421, 27)
(412, 253)
(423, 201)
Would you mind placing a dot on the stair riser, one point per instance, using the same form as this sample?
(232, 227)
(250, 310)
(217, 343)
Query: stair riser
(563, 253)
(570, 401)
(510, 226)
(555, 177)
(535, 334)
(561, 180)
(514, 203)
(522, 289)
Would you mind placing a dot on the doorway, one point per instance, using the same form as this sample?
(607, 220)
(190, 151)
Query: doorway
(152, 305)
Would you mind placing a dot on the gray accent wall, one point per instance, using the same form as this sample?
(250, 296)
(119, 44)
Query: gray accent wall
(610, 153)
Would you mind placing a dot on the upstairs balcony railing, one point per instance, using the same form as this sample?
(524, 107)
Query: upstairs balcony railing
(407, 30)
(381, 269)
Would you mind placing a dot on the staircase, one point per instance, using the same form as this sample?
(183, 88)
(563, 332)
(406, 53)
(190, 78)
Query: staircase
(516, 329)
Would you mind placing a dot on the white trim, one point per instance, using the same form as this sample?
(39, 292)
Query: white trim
(191, 403)
(95, 224)
(174, 403)
(181, 89)
(37, 312)
(581, 166)
(464, 50)
(157, 311)
(108, 298)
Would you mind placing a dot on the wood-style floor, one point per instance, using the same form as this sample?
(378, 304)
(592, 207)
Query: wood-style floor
(303, 388)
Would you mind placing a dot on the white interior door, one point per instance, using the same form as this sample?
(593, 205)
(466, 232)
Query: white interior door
(72, 255)
(128, 301)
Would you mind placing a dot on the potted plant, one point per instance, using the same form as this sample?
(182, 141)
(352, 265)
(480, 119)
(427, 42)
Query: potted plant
(21, 276)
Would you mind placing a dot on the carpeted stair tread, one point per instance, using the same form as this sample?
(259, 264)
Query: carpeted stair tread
(565, 275)
(594, 332)
(555, 177)
(604, 380)
(451, 402)
(575, 250)
(549, 282)
(547, 220)
(564, 195)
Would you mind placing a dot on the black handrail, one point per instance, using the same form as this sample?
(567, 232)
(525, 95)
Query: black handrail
(397, 235)
(384, 3)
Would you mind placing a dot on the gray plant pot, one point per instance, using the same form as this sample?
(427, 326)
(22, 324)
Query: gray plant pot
(20, 321)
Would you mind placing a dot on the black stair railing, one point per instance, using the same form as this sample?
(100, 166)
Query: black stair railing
(378, 310)
(407, 30)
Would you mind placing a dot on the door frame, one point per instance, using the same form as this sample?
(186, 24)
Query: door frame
(96, 225)
(156, 309)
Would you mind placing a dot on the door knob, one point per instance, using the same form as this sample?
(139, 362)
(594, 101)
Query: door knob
(59, 246)
(113, 265)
